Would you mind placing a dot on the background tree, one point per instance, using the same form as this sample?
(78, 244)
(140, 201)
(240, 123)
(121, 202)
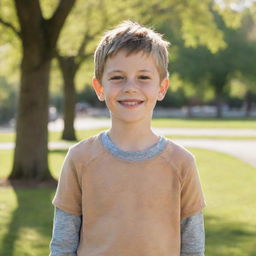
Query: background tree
(200, 65)
(38, 36)
(74, 50)
(99, 15)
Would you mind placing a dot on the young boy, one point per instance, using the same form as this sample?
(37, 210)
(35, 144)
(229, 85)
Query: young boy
(128, 191)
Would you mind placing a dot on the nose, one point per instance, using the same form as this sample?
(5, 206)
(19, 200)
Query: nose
(130, 86)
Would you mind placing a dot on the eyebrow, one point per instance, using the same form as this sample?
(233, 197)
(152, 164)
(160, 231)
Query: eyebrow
(120, 71)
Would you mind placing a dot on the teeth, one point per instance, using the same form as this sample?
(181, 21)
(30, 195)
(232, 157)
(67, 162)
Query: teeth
(130, 103)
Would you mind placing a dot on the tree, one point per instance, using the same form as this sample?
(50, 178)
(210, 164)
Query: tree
(71, 55)
(38, 36)
(95, 16)
(200, 65)
(180, 16)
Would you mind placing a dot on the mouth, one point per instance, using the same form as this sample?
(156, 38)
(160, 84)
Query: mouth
(130, 103)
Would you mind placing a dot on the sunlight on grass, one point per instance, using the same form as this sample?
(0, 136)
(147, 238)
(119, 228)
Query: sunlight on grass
(205, 123)
(26, 221)
(8, 203)
(229, 185)
(56, 158)
(6, 157)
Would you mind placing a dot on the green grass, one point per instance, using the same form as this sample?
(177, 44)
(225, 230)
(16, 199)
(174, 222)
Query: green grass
(7, 137)
(211, 137)
(56, 158)
(245, 123)
(229, 187)
(53, 136)
(167, 123)
(26, 221)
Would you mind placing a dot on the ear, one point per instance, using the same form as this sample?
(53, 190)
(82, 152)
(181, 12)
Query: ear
(98, 88)
(163, 89)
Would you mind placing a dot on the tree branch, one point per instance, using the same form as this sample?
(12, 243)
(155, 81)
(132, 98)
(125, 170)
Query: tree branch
(81, 55)
(80, 59)
(55, 23)
(10, 26)
(30, 16)
(84, 42)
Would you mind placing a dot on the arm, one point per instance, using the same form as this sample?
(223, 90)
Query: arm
(192, 236)
(65, 235)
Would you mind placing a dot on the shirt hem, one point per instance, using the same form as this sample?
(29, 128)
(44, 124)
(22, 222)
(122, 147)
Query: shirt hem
(66, 209)
(193, 212)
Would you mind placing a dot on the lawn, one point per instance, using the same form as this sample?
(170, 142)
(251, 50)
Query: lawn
(229, 186)
(223, 123)
(167, 123)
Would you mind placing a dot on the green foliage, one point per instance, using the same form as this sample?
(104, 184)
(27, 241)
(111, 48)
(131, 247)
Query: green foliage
(10, 46)
(231, 17)
(199, 27)
(88, 95)
(93, 17)
(48, 7)
(7, 13)
(7, 101)
(184, 23)
(175, 99)
(192, 22)
(206, 70)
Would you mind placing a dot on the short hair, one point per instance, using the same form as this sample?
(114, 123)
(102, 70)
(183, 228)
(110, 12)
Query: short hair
(133, 38)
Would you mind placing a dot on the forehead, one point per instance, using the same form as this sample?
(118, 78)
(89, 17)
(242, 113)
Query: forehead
(123, 60)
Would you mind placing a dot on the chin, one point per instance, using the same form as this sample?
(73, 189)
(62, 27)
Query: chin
(131, 119)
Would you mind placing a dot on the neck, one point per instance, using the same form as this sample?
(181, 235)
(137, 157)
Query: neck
(132, 136)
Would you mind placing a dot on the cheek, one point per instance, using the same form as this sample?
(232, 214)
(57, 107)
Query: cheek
(111, 94)
(152, 92)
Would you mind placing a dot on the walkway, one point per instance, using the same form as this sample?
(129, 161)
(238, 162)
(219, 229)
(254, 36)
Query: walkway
(243, 149)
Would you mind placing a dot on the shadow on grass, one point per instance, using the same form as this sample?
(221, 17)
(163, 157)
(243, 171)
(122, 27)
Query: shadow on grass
(34, 213)
(226, 238)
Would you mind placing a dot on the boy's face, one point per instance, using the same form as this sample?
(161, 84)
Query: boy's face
(130, 86)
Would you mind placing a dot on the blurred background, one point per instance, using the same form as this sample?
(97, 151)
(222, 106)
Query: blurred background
(47, 104)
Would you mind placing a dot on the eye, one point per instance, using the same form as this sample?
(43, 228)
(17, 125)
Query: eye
(116, 78)
(142, 77)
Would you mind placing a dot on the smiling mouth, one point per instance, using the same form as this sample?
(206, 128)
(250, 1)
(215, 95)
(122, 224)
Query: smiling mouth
(130, 103)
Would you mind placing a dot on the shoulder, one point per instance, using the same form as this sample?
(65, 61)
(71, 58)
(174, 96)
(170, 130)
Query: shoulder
(179, 158)
(85, 150)
(178, 153)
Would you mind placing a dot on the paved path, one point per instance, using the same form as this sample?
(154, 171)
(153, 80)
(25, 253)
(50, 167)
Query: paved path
(243, 149)
(91, 123)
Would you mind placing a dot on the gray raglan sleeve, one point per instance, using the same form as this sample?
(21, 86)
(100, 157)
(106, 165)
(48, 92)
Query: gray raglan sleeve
(65, 234)
(193, 235)
(66, 230)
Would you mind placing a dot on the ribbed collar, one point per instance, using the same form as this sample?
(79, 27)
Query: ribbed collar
(132, 155)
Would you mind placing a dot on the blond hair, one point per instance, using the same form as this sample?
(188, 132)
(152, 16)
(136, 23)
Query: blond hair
(133, 38)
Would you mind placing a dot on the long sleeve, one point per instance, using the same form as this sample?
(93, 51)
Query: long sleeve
(66, 234)
(193, 235)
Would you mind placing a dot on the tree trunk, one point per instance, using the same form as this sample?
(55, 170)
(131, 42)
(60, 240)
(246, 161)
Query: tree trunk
(219, 103)
(38, 36)
(248, 102)
(69, 111)
(68, 70)
(30, 157)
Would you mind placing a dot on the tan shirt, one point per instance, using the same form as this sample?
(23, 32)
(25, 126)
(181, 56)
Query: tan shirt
(129, 208)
